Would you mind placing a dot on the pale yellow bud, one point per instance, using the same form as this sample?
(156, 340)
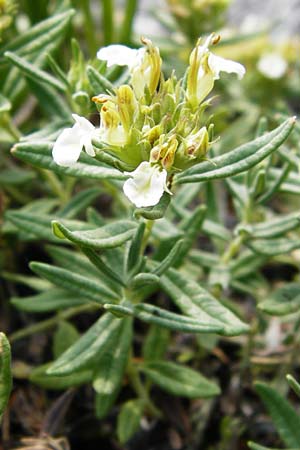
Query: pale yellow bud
(126, 105)
(197, 144)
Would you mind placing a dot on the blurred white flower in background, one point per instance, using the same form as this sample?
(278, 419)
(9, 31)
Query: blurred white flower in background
(272, 65)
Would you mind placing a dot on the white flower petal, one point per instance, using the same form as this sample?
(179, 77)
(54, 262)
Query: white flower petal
(83, 124)
(272, 65)
(87, 144)
(120, 55)
(218, 64)
(67, 147)
(146, 186)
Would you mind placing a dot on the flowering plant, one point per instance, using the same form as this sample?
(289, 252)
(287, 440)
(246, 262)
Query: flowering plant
(158, 230)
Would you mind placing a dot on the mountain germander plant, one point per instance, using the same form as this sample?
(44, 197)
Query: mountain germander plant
(137, 273)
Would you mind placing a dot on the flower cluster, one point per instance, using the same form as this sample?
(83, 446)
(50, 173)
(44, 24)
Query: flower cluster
(150, 127)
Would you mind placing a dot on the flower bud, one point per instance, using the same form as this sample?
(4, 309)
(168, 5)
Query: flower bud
(164, 153)
(197, 144)
(147, 71)
(126, 105)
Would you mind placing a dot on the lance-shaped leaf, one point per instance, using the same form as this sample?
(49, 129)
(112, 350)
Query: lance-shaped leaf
(180, 380)
(31, 71)
(40, 377)
(285, 418)
(274, 227)
(87, 347)
(129, 419)
(196, 302)
(238, 160)
(111, 366)
(97, 81)
(52, 300)
(108, 236)
(173, 321)
(133, 257)
(38, 36)
(39, 225)
(273, 247)
(52, 104)
(39, 154)
(5, 373)
(154, 212)
(156, 343)
(293, 384)
(93, 290)
(285, 300)
(78, 203)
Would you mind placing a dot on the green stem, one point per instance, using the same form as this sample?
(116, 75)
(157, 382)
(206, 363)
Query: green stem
(232, 249)
(50, 323)
(89, 26)
(126, 30)
(147, 234)
(55, 185)
(108, 21)
(141, 391)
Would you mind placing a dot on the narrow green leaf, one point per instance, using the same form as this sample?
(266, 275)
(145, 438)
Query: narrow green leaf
(87, 348)
(78, 203)
(180, 380)
(94, 290)
(154, 212)
(273, 247)
(197, 303)
(293, 384)
(285, 300)
(108, 236)
(110, 274)
(39, 154)
(173, 321)
(275, 226)
(65, 336)
(129, 419)
(71, 260)
(285, 418)
(143, 279)
(191, 228)
(34, 72)
(5, 373)
(51, 103)
(98, 82)
(134, 251)
(156, 343)
(52, 300)
(15, 177)
(40, 377)
(239, 159)
(39, 225)
(111, 366)
(170, 259)
(38, 36)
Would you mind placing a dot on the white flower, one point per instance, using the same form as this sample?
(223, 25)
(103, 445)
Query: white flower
(205, 68)
(272, 65)
(147, 184)
(121, 55)
(71, 141)
(218, 64)
(144, 64)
